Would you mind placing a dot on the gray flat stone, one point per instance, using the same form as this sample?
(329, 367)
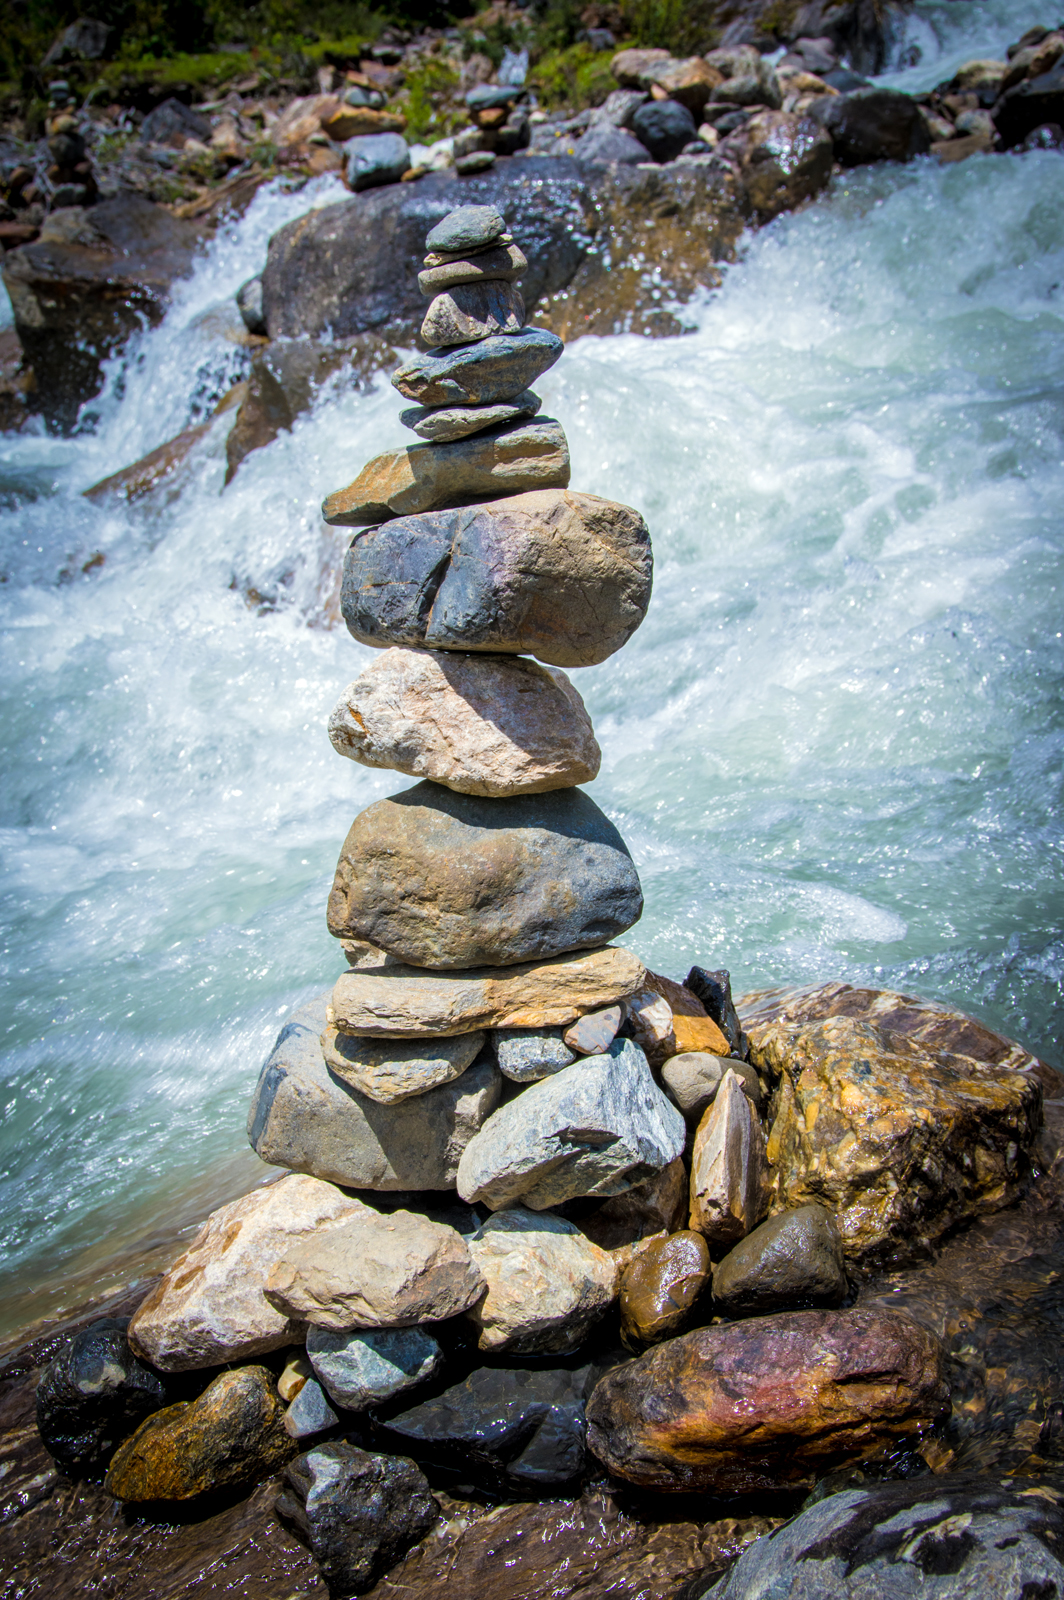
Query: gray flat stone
(466, 228)
(367, 1366)
(391, 1070)
(525, 1055)
(495, 369)
(506, 262)
(442, 424)
(303, 1117)
(598, 1127)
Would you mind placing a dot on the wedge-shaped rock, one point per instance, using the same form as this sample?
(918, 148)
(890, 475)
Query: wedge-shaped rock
(210, 1307)
(451, 880)
(423, 477)
(408, 1003)
(729, 1179)
(304, 1117)
(597, 1128)
(547, 1284)
(442, 424)
(392, 1070)
(556, 574)
(773, 1401)
(484, 725)
(506, 262)
(365, 1366)
(481, 374)
(473, 311)
(376, 1271)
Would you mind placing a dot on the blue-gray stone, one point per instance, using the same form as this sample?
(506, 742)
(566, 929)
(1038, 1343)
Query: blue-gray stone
(441, 424)
(525, 1055)
(309, 1413)
(606, 145)
(481, 374)
(466, 228)
(486, 97)
(375, 158)
(366, 1366)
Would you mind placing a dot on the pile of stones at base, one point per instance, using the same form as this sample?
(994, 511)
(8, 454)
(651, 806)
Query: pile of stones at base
(533, 1188)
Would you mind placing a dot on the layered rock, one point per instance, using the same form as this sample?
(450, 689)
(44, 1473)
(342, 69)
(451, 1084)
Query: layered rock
(547, 1285)
(391, 1070)
(442, 424)
(482, 725)
(817, 1387)
(446, 880)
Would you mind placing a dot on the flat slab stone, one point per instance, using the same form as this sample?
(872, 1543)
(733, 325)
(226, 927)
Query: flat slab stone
(366, 1366)
(471, 311)
(306, 1118)
(424, 477)
(481, 374)
(452, 880)
(547, 1284)
(392, 1070)
(597, 1128)
(466, 228)
(443, 424)
(559, 575)
(480, 725)
(406, 1002)
(592, 1034)
(505, 262)
(525, 1055)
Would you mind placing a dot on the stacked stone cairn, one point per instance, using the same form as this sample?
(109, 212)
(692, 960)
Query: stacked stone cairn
(509, 1144)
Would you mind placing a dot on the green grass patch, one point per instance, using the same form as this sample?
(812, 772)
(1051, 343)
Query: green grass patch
(427, 101)
(577, 77)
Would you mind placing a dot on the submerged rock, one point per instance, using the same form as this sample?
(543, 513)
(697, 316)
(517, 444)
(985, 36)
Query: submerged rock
(232, 1435)
(791, 1261)
(446, 880)
(818, 1388)
(92, 1396)
(595, 1128)
(306, 1118)
(660, 1287)
(366, 1366)
(729, 1179)
(359, 1513)
(484, 725)
(555, 574)
(547, 1284)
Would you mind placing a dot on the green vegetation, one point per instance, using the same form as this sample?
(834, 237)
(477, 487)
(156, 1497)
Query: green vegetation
(577, 76)
(427, 95)
(686, 27)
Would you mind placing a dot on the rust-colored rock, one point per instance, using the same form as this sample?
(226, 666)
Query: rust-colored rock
(232, 1435)
(768, 1403)
(660, 1287)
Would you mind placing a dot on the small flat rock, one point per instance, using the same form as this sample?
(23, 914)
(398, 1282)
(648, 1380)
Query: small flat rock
(446, 880)
(444, 424)
(466, 228)
(514, 459)
(482, 374)
(819, 1388)
(661, 1285)
(376, 1270)
(471, 311)
(592, 1034)
(306, 1118)
(691, 1081)
(791, 1261)
(365, 1367)
(392, 1070)
(559, 575)
(524, 1055)
(483, 725)
(358, 1513)
(92, 1396)
(505, 263)
(309, 1413)
(408, 1002)
(233, 1435)
(596, 1128)
(210, 1307)
(547, 1284)
(729, 1175)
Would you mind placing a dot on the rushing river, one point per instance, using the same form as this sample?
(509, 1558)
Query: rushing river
(835, 746)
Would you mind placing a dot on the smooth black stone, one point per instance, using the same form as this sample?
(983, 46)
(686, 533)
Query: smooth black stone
(93, 1396)
(793, 1261)
(1028, 105)
(714, 991)
(664, 126)
(359, 1513)
(873, 125)
(510, 1430)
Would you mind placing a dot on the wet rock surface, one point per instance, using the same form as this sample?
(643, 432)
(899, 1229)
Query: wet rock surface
(729, 1177)
(443, 880)
(660, 1287)
(794, 1259)
(365, 1367)
(784, 159)
(873, 125)
(93, 1396)
(818, 1388)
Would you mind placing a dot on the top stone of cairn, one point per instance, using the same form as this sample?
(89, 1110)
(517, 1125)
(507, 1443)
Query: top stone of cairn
(467, 228)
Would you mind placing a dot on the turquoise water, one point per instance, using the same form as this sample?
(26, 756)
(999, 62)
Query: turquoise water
(835, 746)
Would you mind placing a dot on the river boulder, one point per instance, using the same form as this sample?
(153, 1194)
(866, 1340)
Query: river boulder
(1029, 105)
(873, 125)
(547, 1285)
(361, 1367)
(791, 1261)
(783, 159)
(819, 1388)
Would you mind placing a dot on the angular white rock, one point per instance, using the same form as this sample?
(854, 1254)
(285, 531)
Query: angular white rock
(598, 1127)
(547, 1283)
(365, 1367)
(729, 1173)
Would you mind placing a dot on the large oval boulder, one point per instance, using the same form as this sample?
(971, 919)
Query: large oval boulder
(442, 880)
(555, 574)
(768, 1403)
(873, 124)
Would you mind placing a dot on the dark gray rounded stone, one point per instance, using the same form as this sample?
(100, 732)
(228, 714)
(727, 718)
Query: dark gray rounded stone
(375, 158)
(482, 374)
(790, 1262)
(606, 145)
(448, 880)
(466, 228)
(93, 1396)
(664, 127)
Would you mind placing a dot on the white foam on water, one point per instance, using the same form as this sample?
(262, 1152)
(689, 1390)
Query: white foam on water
(835, 746)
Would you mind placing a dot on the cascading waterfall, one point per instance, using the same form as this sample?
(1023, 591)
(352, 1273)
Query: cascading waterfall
(835, 747)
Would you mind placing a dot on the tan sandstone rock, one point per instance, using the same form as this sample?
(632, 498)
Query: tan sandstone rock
(391, 1070)
(479, 724)
(407, 1002)
(729, 1180)
(210, 1306)
(376, 1270)
(470, 311)
(547, 1283)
